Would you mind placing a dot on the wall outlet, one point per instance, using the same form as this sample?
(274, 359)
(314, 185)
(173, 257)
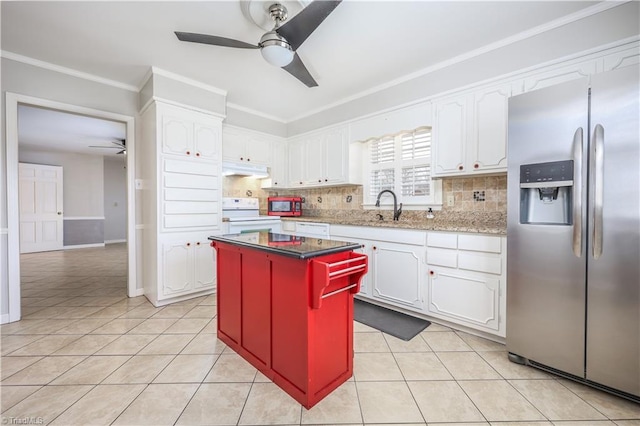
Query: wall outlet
(450, 200)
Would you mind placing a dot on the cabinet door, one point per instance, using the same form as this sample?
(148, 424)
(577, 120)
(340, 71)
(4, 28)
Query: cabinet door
(206, 140)
(397, 274)
(258, 151)
(296, 165)
(450, 137)
(177, 267)
(279, 165)
(488, 143)
(233, 145)
(336, 157)
(204, 259)
(465, 298)
(314, 161)
(177, 134)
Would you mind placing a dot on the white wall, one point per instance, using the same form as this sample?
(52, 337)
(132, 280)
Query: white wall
(29, 80)
(115, 199)
(83, 175)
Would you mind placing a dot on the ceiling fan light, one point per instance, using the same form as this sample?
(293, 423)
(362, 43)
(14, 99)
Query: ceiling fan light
(277, 55)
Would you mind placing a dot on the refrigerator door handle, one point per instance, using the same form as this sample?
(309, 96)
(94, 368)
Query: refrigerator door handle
(597, 172)
(578, 141)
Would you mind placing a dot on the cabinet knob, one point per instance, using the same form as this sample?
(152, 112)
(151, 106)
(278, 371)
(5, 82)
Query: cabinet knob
(326, 180)
(197, 154)
(188, 152)
(319, 180)
(198, 243)
(476, 165)
(460, 167)
(275, 183)
(188, 244)
(300, 183)
(248, 159)
(241, 158)
(374, 248)
(431, 273)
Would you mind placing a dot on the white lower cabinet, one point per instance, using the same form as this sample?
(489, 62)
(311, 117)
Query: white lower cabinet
(398, 274)
(465, 298)
(466, 280)
(187, 265)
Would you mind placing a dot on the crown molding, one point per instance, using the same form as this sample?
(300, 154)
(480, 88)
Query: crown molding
(548, 26)
(68, 71)
(182, 79)
(255, 112)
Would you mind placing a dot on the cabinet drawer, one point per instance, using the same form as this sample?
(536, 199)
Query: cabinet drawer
(180, 194)
(479, 243)
(288, 226)
(436, 239)
(313, 229)
(190, 207)
(190, 167)
(175, 180)
(191, 221)
(442, 257)
(480, 262)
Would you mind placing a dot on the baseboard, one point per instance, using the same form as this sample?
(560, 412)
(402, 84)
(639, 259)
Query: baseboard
(4, 318)
(138, 292)
(115, 241)
(81, 246)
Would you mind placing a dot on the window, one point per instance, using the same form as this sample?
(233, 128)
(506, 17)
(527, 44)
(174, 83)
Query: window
(401, 163)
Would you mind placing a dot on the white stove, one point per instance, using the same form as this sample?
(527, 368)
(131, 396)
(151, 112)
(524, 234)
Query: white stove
(243, 215)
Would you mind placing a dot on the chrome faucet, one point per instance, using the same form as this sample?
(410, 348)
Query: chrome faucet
(396, 211)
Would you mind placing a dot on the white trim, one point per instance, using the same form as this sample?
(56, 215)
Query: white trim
(115, 241)
(13, 218)
(251, 131)
(185, 80)
(4, 318)
(257, 113)
(81, 246)
(138, 292)
(140, 227)
(64, 70)
(4, 231)
(83, 218)
(584, 13)
(181, 105)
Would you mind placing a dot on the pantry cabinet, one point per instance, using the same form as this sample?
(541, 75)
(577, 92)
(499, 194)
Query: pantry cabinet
(470, 133)
(181, 184)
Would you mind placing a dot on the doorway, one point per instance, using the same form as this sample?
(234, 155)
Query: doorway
(13, 217)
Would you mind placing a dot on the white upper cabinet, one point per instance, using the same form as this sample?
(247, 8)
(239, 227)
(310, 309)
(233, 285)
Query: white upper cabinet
(323, 159)
(470, 133)
(239, 145)
(189, 133)
(279, 166)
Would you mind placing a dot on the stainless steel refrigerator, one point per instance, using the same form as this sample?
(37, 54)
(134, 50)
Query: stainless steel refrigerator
(573, 230)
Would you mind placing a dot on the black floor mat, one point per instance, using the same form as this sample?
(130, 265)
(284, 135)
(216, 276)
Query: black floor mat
(397, 324)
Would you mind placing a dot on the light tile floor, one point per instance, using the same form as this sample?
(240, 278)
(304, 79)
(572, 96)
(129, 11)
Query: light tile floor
(85, 354)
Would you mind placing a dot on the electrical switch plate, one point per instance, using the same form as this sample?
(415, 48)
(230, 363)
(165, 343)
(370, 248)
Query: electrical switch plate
(450, 200)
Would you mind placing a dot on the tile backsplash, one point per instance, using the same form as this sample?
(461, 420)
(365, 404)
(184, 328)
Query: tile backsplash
(472, 194)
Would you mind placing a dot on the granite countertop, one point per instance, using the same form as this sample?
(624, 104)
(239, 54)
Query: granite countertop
(472, 222)
(287, 245)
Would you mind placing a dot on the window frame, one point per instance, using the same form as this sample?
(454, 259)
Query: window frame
(434, 199)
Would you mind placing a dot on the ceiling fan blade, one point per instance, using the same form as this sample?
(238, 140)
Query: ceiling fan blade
(297, 29)
(215, 40)
(297, 69)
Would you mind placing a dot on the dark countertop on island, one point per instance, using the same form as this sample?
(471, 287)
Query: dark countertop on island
(287, 245)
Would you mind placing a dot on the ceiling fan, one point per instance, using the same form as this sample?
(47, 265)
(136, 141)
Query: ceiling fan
(118, 144)
(278, 46)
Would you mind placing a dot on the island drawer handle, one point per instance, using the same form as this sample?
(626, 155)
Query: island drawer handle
(338, 291)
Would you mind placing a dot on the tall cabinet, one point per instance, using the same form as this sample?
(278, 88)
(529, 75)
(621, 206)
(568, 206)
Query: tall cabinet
(182, 186)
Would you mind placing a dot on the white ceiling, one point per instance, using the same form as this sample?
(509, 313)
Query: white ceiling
(360, 46)
(48, 130)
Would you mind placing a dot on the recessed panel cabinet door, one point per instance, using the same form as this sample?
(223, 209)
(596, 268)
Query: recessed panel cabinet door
(206, 141)
(468, 299)
(397, 274)
(177, 135)
(450, 136)
(204, 257)
(177, 267)
(489, 140)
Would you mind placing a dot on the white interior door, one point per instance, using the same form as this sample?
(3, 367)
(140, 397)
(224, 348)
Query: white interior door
(40, 193)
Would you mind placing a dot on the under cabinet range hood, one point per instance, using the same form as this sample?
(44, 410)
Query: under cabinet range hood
(243, 169)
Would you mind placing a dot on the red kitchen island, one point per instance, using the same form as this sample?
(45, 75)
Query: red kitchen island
(285, 304)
